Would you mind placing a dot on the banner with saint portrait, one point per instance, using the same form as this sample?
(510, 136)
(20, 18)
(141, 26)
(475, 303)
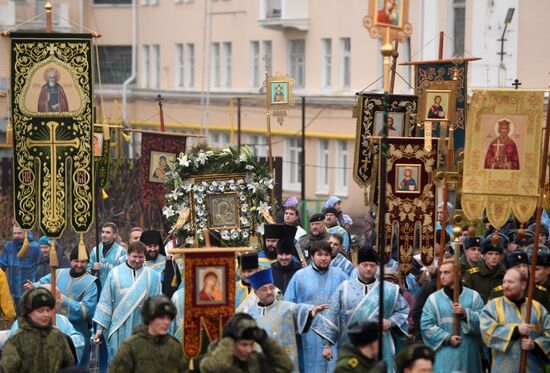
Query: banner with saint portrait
(52, 112)
(502, 155)
(410, 201)
(159, 151)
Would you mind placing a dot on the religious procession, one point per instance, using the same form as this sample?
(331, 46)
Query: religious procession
(144, 231)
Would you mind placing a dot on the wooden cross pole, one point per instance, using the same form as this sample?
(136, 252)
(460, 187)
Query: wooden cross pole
(48, 7)
(395, 55)
(159, 99)
(269, 140)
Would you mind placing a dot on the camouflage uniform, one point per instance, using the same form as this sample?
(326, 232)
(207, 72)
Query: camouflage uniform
(35, 349)
(351, 359)
(220, 358)
(145, 353)
(483, 280)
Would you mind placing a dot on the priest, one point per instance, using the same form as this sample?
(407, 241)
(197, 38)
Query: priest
(272, 234)
(505, 332)
(155, 257)
(248, 265)
(281, 319)
(125, 289)
(314, 285)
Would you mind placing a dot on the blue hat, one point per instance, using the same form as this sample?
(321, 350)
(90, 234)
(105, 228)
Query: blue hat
(44, 241)
(261, 278)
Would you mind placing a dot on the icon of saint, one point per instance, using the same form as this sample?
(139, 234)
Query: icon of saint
(436, 110)
(52, 98)
(407, 184)
(388, 14)
(502, 153)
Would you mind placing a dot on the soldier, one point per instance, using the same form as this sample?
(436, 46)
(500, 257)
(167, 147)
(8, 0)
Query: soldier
(235, 353)
(36, 346)
(415, 358)
(151, 348)
(362, 354)
(472, 253)
(490, 271)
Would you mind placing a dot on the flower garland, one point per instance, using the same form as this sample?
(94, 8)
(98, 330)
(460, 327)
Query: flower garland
(253, 192)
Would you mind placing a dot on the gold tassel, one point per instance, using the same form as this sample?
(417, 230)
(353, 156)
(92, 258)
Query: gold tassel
(9, 133)
(125, 136)
(53, 254)
(191, 365)
(104, 194)
(25, 247)
(82, 252)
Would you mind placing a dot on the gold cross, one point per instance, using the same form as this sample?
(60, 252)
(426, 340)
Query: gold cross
(498, 145)
(53, 144)
(51, 48)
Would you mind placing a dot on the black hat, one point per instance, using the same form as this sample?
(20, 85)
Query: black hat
(331, 210)
(239, 325)
(320, 245)
(492, 243)
(367, 254)
(514, 258)
(543, 228)
(290, 230)
(153, 238)
(286, 246)
(74, 253)
(274, 231)
(248, 261)
(157, 306)
(438, 236)
(411, 353)
(470, 242)
(524, 237)
(543, 255)
(503, 239)
(316, 217)
(35, 298)
(363, 332)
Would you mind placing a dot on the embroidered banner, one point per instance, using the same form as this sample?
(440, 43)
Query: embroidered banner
(159, 151)
(410, 201)
(209, 299)
(101, 147)
(401, 122)
(52, 112)
(502, 155)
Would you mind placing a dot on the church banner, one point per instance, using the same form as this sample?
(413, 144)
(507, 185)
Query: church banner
(52, 113)
(209, 299)
(401, 122)
(502, 155)
(101, 148)
(159, 151)
(410, 201)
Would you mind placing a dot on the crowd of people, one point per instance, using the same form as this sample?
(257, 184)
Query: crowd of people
(307, 302)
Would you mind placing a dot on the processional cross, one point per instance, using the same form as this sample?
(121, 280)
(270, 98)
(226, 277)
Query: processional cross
(53, 145)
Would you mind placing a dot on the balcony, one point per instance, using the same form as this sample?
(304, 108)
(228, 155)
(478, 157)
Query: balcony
(281, 14)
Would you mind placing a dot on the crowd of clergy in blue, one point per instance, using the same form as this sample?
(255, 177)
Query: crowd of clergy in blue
(304, 291)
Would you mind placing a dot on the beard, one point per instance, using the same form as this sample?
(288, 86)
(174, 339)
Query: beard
(151, 256)
(270, 253)
(76, 273)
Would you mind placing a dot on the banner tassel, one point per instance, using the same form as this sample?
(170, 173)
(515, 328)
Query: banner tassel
(125, 136)
(191, 365)
(25, 247)
(104, 194)
(9, 133)
(53, 254)
(82, 252)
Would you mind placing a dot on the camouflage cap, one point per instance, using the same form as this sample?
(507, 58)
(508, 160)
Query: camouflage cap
(156, 307)
(35, 298)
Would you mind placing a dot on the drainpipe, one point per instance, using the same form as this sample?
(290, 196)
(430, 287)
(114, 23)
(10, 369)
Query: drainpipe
(131, 78)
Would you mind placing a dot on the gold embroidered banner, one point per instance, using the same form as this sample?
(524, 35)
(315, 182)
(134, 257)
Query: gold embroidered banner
(502, 154)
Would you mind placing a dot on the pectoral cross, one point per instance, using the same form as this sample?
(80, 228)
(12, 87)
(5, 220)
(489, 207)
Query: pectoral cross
(54, 145)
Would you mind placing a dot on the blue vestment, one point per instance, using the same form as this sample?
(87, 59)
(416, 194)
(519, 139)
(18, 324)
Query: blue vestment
(310, 286)
(410, 283)
(79, 302)
(108, 262)
(119, 308)
(498, 321)
(241, 292)
(437, 327)
(176, 329)
(18, 270)
(263, 261)
(343, 263)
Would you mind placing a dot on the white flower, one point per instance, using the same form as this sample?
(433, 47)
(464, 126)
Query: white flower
(168, 211)
(242, 158)
(189, 240)
(253, 187)
(249, 167)
(183, 160)
(202, 157)
(174, 195)
(264, 206)
(245, 233)
(224, 234)
(244, 207)
(234, 234)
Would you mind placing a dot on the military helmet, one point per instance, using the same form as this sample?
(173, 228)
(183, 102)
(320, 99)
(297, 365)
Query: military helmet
(157, 306)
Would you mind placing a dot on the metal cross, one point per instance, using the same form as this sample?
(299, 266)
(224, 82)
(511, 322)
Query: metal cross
(516, 83)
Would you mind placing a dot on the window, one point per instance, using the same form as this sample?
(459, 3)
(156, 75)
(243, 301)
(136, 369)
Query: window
(292, 164)
(180, 66)
(322, 167)
(326, 63)
(297, 61)
(111, 2)
(345, 45)
(116, 63)
(266, 52)
(185, 65)
(144, 76)
(459, 26)
(215, 65)
(218, 139)
(155, 66)
(227, 50)
(258, 145)
(255, 64)
(341, 182)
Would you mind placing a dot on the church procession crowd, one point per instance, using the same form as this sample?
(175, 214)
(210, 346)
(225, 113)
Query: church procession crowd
(122, 309)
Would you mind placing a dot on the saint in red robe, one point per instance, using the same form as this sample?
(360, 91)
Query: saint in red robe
(52, 99)
(502, 154)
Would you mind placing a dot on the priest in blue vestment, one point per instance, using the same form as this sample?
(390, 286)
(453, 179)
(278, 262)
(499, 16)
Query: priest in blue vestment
(78, 292)
(155, 256)
(282, 320)
(109, 253)
(272, 234)
(504, 331)
(314, 285)
(248, 265)
(124, 292)
(462, 352)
